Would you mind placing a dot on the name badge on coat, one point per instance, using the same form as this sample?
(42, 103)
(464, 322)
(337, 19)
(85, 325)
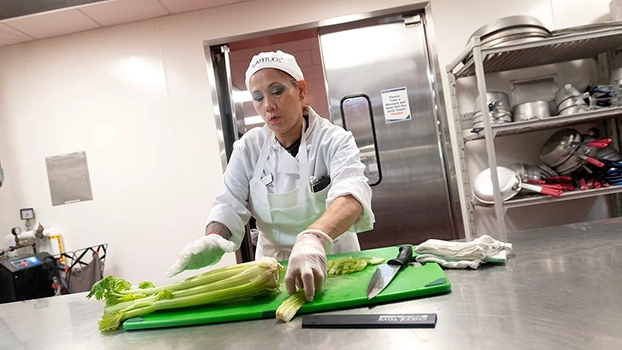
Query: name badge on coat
(266, 180)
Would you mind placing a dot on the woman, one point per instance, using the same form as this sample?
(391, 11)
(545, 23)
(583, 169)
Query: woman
(299, 176)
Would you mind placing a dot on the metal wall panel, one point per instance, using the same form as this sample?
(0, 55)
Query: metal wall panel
(69, 178)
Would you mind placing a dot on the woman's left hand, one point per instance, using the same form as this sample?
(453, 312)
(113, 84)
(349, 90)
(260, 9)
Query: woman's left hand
(306, 267)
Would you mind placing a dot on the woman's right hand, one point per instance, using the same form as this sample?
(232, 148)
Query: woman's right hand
(306, 267)
(205, 251)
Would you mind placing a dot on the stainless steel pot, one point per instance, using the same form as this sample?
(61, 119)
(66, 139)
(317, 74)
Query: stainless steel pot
(498, 109)
(531, 110)
(478, 122)
(496, 101)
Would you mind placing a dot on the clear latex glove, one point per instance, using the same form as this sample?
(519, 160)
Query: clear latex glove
(205, 251)
(306, 268)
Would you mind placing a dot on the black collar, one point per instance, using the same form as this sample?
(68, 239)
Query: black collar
(293, 148)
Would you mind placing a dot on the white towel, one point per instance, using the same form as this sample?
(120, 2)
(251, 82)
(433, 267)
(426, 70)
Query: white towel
(460, 255)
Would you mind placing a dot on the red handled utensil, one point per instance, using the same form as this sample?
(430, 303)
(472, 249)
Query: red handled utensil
(553, 186)
(596, 143)
(559, 178)
(543, 190)
(536, 182)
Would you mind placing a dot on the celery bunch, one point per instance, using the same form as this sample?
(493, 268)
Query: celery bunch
(245, 280)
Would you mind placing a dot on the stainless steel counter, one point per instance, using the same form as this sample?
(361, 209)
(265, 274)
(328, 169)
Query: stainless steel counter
(561, 289)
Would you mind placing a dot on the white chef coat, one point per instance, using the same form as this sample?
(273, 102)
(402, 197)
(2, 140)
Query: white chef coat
(331, 151)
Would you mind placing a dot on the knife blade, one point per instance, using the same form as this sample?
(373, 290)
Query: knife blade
(384, 273)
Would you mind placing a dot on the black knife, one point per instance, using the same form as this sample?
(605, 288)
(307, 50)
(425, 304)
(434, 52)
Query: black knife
(385, 273)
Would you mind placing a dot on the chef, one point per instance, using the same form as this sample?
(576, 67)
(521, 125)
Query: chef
(299, 176)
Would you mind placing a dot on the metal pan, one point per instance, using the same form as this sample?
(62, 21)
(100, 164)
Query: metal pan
(508, 23)
(510, 34)
(510, 185)
(589, 147)
(559, 147)
(514, 39)
(608, 153)
(547, 171)
(528, 172)
(569, 165)
(577, 159)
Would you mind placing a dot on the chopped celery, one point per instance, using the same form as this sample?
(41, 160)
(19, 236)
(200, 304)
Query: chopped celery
(347, 265)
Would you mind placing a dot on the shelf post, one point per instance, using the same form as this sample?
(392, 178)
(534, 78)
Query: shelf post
(466, 202)
(489, 138)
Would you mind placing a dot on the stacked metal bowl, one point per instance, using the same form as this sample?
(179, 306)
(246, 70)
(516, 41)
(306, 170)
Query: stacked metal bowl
(511, 30)
(569, 100)
(499, 109)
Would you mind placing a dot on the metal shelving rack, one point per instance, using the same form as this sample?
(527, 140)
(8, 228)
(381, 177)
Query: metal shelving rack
(476, 60)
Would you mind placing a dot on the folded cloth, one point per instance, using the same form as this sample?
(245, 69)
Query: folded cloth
(460, 255)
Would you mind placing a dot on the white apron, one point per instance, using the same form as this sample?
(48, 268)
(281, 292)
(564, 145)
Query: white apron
(281, 217)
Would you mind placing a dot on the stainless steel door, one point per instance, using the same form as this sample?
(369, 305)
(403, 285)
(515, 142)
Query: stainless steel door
(379, 87)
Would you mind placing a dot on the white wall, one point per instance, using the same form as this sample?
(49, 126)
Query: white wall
(137, 100)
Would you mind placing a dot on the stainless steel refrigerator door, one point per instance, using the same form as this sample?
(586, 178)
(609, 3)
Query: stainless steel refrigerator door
(402, 150)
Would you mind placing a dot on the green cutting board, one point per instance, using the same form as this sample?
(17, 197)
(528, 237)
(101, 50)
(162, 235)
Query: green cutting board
(339, 292)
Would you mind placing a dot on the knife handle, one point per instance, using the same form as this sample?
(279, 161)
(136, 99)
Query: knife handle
(404, 256)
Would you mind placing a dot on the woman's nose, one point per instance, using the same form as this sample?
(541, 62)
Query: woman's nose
(269, 103)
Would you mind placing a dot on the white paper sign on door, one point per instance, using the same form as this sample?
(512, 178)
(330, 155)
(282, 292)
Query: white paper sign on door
(395, 105)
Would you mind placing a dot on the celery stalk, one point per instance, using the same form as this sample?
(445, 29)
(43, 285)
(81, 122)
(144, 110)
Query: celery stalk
(288, 308)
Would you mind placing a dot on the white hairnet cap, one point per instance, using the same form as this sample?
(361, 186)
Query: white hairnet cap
(277, 60)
